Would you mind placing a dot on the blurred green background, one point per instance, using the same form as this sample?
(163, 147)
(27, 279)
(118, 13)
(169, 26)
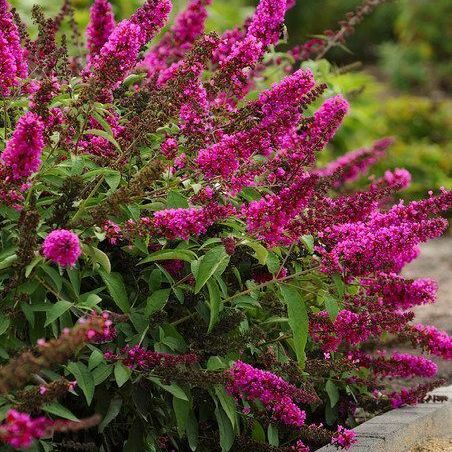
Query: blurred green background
(401, 88)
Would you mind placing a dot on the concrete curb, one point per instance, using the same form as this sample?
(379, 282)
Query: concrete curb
(399, 430)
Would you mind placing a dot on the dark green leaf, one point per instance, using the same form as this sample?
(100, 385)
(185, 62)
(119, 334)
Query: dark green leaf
(260, 252)
(102, 259)
(165, 255)
(95, 359)
(213, 260)
(101, 373)
(225, 428)
(258, 433)
(122, 373)
(333, 393)
(192, 431)
(227, 403)
(298, 320)
(156, 301)
(59, 410)
(85, 380)
(117, 289)
(273, 437)
(57, 310)
(113, 411)
(4, 324)
(181, 410)
(214, 302)
(177, 201)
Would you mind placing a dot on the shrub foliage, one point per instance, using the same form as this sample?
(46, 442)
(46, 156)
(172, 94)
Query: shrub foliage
(177, 272)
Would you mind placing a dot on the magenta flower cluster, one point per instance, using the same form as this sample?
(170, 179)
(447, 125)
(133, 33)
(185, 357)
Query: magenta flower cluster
(100, 27)
(182, 223)
(273, 392)
(386, 241)
(62, 247)
(20, 430)
(344, 438)
(403, 365)
(350, 166)
(23, 151)
(400, 293)
(437, 342)
(175, 43)
(13, 62)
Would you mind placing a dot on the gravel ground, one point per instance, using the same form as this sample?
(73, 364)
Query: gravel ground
(433, 445)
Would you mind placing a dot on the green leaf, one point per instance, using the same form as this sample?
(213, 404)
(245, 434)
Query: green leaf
(340, 285)
(176, 390)
(258, 433)
(4, 324)
(74, 277)
(332, 307)
(331, 304)
(173, 389)
(57, 310)
(112, 412)
(333, 393)
(298, 320)
(308, 241)
(331, 414)
(214, 303)
(192, 431)
(212, 261)
(117, 289)
(84, 378)
(272, 434)
(101, 120)
(60, 411)
(101, 373)
(225, 428)
(54, 276)
(181, 410)
(260, 252)
(273, 263)
(177, 201)
(155, 280)
(106, 135)
(165, 255)
(95, 359)
(227, 403)
(8, 262)
(156, 301)
(102, 259)
(122, 373)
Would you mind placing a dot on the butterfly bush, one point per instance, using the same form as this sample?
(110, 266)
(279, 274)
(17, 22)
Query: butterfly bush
(178, 271)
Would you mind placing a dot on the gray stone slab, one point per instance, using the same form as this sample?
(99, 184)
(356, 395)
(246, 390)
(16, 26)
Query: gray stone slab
(398, 430)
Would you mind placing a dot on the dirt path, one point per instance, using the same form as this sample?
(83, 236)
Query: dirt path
(434, 445)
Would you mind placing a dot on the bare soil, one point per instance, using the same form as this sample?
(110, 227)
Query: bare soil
(433, 445)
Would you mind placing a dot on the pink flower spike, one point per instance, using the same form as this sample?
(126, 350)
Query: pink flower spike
(23, 151)
(100, 27)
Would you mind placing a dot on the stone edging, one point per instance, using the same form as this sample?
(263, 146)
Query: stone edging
(398, 430)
